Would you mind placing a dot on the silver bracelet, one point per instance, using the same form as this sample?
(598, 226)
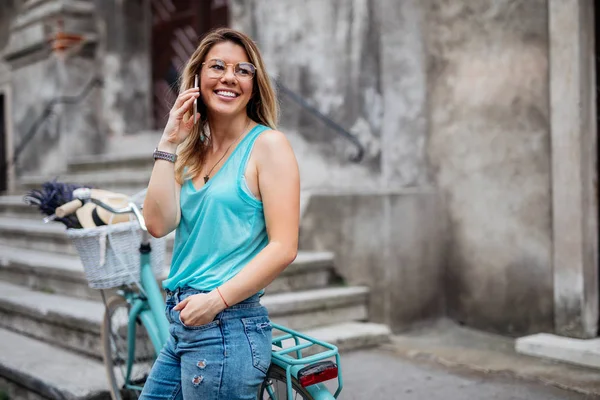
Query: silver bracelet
(163, 155)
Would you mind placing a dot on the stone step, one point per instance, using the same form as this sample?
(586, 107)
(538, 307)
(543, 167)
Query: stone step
(346, 336)
(47, 273)
(310, 270)
(110, 162)
(122, 181)
(63, 274)
(14, 207)
(75, 323)
(582, 352)
(34, 234)
(29, 367)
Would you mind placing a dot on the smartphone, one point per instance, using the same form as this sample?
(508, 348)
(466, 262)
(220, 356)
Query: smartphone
(196, 99)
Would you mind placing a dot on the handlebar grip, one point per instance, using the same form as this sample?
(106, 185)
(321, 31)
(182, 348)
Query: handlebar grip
(68, 208)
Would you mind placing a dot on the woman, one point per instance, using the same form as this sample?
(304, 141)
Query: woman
(232, 195)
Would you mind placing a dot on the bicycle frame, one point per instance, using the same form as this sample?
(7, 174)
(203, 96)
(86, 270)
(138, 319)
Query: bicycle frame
(149, 307)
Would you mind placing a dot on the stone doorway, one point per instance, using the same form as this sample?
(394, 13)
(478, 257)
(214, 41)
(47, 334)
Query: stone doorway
(177, 26)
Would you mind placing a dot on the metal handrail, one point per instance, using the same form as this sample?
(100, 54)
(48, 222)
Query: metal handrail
(326, 120)
(34, 129)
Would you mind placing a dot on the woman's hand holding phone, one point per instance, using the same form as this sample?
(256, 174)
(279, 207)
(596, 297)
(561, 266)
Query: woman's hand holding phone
(179, 126)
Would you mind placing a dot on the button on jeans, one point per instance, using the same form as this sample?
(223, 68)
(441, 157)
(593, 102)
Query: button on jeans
(227, 358)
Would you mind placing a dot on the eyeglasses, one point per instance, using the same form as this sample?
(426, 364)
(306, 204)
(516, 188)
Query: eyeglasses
(216, 68)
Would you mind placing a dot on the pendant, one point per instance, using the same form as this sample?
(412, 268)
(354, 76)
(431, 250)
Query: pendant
(206, 178)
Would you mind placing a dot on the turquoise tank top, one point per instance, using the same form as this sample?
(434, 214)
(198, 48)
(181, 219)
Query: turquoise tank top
(222, 225)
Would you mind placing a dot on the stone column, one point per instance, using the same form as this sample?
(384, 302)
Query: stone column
(574, 170)
(38, 76)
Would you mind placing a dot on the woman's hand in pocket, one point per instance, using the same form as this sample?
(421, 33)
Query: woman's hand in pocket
(199, 309)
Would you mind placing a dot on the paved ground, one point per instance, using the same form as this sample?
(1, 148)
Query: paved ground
(379, 374)
(444, 361)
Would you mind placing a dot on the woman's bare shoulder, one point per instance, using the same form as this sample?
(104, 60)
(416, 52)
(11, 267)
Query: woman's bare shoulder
(272, 140)
(272, 145)
(271, 137)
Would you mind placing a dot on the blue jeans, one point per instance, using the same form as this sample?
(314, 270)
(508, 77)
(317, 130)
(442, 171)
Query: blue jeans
(226, 359)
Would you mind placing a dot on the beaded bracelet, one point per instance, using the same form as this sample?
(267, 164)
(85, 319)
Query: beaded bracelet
(163, 155)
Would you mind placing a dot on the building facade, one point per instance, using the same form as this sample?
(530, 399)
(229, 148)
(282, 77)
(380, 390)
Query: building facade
(475, 196)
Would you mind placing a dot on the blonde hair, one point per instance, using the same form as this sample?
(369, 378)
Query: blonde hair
(262, 107)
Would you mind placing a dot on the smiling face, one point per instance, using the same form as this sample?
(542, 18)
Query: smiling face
(227, 95)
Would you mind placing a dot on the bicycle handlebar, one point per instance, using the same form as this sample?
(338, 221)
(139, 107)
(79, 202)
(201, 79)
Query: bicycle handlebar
(85, 194)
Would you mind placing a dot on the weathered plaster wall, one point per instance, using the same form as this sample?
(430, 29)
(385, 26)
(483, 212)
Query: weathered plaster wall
(124, 28)
(490, 149)
(392, 242)
(117, 51)
(38, 76)
(8, 9)
(362, 63)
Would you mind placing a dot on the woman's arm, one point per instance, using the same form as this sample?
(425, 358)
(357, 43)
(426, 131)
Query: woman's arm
(279, 185)
(161, 205)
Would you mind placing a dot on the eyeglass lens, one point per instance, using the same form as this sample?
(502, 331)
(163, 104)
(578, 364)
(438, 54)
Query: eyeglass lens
(243, 70)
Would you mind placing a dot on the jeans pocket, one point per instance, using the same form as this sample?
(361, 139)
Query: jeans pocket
(211, 324)
(259, 332)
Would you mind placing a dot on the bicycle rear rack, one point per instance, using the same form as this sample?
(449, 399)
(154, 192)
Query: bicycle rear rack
(302, 342)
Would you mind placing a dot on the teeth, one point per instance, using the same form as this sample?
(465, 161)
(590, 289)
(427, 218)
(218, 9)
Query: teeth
(228, 94)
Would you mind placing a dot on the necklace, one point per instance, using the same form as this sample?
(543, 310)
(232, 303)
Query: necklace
(207, 176)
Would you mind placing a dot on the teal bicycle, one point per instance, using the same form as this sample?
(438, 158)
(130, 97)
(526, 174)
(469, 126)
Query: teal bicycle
(135, 326)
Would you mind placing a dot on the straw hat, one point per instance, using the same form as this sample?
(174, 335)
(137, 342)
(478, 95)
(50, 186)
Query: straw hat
(91, 215)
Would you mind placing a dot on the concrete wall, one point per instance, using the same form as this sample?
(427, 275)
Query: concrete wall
(8, 10)
(453, 92)
(490, 149)
(37, 76)
(117, 50)
(393, 242)
(124, 28)
(573, 99)
(362, 63)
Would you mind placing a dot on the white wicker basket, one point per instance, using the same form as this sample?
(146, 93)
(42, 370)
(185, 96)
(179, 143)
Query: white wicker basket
(110, 254)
